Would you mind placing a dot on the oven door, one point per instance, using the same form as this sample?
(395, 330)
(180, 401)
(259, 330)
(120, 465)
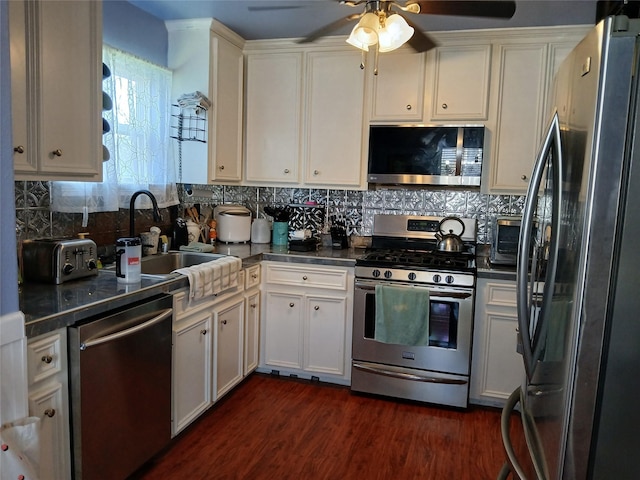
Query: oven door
(436, 372)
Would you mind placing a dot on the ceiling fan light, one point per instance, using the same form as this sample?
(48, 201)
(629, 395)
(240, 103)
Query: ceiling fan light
(366, 31)
(395, 33)
(355, 41)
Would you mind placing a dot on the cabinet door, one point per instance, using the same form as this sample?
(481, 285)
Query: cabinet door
(461, 82)
(192, 360)
(70, 88)
(283, 330)
(225, 145)
(521, 77)
(324, 334)
(49, 406)
(398, 88)
(229, 346)
(251, 332)
(274, 117)
(335, 112)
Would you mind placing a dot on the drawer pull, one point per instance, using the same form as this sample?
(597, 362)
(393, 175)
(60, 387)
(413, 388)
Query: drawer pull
(286, 170)
(254, 276)
(47, 359)
(317, 307)
(57, 152)
(203, 332)
(304, 277)
(445, 106)
(221, 167)
(523, 177)
(408, 107)
(292, 304)
(50, 412)
(224, 322)
(19, 149)
(253, 305)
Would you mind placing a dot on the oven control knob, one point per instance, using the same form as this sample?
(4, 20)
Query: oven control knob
(376, 273)
(437, 278)
(449, 279)
(387, 274)
(412, 276)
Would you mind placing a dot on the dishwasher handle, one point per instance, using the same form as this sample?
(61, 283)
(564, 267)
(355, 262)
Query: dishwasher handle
(129, 331)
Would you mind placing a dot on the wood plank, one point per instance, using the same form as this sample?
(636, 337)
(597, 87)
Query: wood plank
(271, 427)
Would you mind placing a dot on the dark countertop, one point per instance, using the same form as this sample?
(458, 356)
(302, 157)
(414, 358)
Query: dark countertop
(48, 307)
(486, 269)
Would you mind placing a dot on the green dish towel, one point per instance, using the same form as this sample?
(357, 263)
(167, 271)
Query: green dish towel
(402, 315)
(197, 247)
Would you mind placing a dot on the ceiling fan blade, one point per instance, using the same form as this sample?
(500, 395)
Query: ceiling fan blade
(272, 7)
(419, 41)
(471, 8)
(327, 29)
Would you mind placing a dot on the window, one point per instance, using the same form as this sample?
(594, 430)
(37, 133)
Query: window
(137, 143)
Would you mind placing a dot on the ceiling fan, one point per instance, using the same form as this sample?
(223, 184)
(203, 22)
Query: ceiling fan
(381, 19)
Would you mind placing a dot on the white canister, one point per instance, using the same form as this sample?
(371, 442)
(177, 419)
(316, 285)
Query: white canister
(260, 231)
(128, 256)
(193, 230)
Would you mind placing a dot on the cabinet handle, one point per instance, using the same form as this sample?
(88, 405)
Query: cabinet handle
(18, 149)
(50, 412)
(203, 332)
(47, 358)
(304, 277)
(57, 152)
(286, 170)
(254, 276)
(445, 106)
(408, 107)
(224, 322)
(221, 167)
(317, 307)
(523, 177)
(292, 304)
(316, 172)
(253, 305)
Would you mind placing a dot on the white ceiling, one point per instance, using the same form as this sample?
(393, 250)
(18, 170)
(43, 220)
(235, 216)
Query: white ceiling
(298, 18)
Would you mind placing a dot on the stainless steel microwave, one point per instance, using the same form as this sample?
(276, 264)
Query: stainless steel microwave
(425, 155)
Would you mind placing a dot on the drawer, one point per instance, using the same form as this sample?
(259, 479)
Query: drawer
(501, 295)
(183, 304)
(44, 357)
(332, 278)
(252, 276)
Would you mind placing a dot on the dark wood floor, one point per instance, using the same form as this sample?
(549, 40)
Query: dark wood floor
(279, 428)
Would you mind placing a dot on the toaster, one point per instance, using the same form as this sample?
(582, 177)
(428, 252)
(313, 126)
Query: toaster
(52, 260)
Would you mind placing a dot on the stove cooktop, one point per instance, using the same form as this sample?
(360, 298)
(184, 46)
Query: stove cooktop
(419, 260)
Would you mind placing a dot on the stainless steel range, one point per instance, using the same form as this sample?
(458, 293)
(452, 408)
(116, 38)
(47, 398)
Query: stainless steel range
(413, 310)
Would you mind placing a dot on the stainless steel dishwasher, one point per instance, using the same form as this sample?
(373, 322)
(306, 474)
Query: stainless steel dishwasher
(120, 382)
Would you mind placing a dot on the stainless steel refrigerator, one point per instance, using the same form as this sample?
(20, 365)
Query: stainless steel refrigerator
(577, 415)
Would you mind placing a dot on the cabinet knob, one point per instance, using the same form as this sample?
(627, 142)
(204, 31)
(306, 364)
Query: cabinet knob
(224, 322)
(50, 412)
(18, 149)
(254, 276)
(408, 107)
(523, 177)
(445, 106)
(304, 277)
(253, 305)
(57, 152)
(292, 304)
(47, 358)
(286, 170)
(221, 167)
(317, 307)
(203, 332)
(316, 172)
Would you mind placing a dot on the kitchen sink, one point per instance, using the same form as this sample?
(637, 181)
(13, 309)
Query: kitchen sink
(165, 263)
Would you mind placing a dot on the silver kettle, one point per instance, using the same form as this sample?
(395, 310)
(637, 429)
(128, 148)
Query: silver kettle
(450, 242)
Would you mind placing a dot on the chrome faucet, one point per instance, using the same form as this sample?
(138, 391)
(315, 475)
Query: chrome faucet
(156, 213)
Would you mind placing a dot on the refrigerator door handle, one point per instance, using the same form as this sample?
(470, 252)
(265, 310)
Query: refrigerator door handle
(532, 334)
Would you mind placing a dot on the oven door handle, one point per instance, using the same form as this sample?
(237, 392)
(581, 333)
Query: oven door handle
(432, 293)
(408, 376)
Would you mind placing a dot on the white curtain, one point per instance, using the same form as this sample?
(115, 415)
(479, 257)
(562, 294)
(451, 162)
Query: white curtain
(138, 141)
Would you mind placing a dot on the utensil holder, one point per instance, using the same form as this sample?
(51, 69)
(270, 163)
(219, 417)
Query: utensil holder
(280, 233)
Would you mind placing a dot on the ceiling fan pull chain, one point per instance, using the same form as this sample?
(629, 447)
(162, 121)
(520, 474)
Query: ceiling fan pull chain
(375, 63)
(364, 55)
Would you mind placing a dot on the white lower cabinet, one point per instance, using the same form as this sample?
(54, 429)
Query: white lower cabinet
(49, 401)
(251, 331)
(306, 320)
(497, 367)
(192, 363)
(229, 338)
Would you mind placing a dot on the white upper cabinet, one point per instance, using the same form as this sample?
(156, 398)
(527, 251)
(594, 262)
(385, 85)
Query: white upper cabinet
(273, 126)
(460, 82)
(397, 91)
(304, 114)
(334, 118)
(56, 74)
(206, 56)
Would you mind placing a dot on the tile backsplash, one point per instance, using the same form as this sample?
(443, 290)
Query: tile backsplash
(355, 208)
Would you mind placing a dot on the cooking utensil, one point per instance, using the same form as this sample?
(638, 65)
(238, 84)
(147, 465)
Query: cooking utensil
(450, 242)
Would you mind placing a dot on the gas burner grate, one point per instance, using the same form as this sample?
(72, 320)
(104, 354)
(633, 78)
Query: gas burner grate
(463, 261)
